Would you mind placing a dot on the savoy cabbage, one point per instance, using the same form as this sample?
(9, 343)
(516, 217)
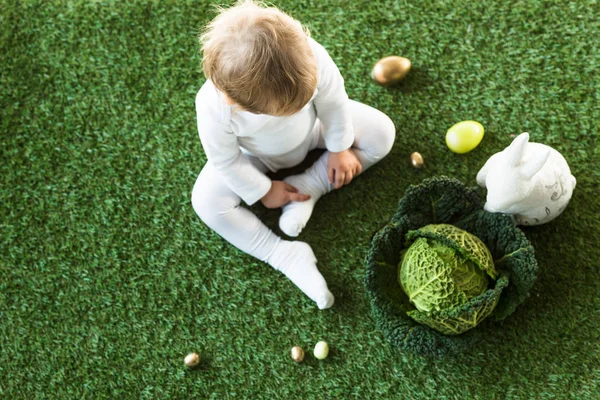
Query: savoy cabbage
(444, 270)
(511, 273)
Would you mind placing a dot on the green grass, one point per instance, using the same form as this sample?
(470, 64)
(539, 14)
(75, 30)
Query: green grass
(108, 278)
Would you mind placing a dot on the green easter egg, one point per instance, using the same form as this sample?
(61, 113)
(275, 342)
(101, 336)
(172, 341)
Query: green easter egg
(321, 350)
(464, 136)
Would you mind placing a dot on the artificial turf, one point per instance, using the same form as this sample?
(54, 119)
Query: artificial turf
(108, 278)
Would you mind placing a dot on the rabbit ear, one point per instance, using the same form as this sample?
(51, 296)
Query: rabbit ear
(516, 149)
(531, 167)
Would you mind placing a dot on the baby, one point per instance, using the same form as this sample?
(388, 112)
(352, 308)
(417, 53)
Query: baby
(273, 94)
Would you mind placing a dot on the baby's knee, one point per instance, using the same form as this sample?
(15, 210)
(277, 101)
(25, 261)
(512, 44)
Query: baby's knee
(202, 204)
(210, 208)
(386, 135)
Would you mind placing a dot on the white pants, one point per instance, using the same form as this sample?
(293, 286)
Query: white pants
(219, 207)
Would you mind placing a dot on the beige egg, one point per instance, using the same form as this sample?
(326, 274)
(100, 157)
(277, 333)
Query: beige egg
(192, 360)
(390, 70)
(416, 159)
(297, 354)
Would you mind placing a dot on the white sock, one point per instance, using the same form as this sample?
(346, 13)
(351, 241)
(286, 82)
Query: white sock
(313, 181)
(298, 262)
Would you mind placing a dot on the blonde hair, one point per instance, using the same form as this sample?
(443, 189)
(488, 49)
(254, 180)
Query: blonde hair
(260, 58)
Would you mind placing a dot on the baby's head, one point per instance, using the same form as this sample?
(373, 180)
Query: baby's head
(260, 58)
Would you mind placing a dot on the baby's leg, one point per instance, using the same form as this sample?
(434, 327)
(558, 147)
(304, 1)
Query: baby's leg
(219, 208)
(313, 181)
(374, 135)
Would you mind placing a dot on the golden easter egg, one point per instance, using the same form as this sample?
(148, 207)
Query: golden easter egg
(192, 360)
(297, 354)
(390, 70)
(416, 159)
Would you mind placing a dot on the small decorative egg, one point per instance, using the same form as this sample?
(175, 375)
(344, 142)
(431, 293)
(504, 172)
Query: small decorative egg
(297, 354)
(390, 70)
(416, 159)
(464, 136)
(192, 360)
(321, 350)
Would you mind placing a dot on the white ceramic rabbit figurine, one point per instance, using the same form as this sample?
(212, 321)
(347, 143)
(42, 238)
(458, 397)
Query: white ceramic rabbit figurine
(531, 181)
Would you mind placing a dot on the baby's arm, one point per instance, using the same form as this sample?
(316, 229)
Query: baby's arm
(331, 102)
(223, 151)
(332, 106)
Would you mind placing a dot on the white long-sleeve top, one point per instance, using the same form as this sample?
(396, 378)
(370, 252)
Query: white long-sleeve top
(225, 131)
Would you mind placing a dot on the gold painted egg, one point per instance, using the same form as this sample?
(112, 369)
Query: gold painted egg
(192, 360)
(297, 354)
(416, 159)
(390, 70)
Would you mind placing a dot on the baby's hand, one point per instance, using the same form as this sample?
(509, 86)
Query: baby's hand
(342, 167)
(282, 193)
